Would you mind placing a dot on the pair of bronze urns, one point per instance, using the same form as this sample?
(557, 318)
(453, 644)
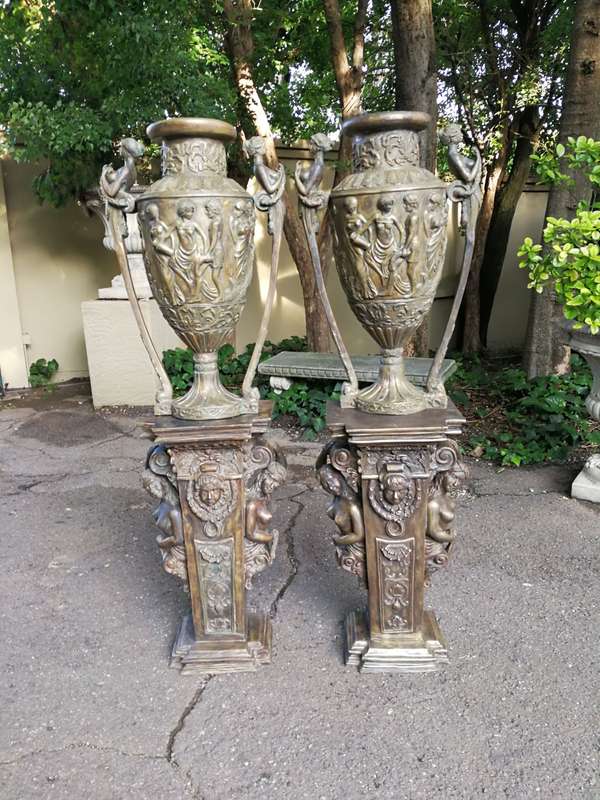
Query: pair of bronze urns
(210, 466)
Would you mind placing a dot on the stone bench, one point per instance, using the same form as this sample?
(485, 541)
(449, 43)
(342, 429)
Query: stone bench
(328, 367)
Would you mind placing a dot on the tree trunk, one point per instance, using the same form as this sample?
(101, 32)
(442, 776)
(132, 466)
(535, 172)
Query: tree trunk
(240, 44)
(546, 350)
(317, 328)
(348, 72)
(415, 75)
(502, 217)
(415, 89)
(471, 338)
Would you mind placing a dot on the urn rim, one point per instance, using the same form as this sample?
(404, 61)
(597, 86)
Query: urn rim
(174, 127)
(384, 121)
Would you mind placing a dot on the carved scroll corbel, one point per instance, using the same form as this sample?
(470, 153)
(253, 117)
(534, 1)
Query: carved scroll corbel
(265, 470)
(448, 475)
(338, 473)
(159, 481)
(114, 190)
(311, 200)
(466, 190)
(269, 200)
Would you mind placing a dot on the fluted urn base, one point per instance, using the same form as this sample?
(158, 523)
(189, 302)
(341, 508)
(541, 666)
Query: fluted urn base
(208, 398)
(393, 393)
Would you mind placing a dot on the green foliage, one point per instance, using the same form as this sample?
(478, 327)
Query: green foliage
(306, 401)
(78, 75)
(179, 364)
(582, 153)
(42, 371)
(518, 421)
(571, 261)
(496, 60)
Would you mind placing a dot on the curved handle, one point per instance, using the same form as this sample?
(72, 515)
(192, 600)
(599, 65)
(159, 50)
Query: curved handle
(469, 195)
(311, 199)
(114, 189)
(164, 396)
(272, 203)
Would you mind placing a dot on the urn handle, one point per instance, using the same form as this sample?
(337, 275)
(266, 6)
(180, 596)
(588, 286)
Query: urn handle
(311, 200)
(114, 190)
(269, 200)
(466, 190)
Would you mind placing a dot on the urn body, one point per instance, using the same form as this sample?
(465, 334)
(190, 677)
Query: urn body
(198, 231)
(390, 221)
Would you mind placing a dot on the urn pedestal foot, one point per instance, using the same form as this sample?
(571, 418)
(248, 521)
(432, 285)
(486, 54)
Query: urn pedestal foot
(214, 481)
(193, 656)
(207, 398)
(424, 651)
(393, 482)
(393, 394)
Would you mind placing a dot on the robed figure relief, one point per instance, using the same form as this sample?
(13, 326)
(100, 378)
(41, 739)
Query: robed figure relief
(189, 252)
(241, 226)
(436, 221)
(415, 242)
(377, 248)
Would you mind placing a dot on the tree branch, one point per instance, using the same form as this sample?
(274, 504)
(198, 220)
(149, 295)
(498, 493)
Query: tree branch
(341, 66)
(360, 24)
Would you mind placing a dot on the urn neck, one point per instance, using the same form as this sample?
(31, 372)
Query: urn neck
(193, 154)
(385, 150)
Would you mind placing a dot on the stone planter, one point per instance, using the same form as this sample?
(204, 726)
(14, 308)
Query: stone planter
(586, 485)
(588, 345)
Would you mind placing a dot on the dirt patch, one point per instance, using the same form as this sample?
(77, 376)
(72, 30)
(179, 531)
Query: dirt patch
(67, 428)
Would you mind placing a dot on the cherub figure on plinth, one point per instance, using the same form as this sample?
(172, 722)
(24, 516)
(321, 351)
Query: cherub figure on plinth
(169, 521)
(346, 511)
(260, 544)
(440, 533)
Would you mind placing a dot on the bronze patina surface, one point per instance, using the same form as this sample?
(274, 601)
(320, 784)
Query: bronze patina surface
(210, 467)
(198, 230)
(213, 481)
(390, 218)
(393, 482)
(197, 227)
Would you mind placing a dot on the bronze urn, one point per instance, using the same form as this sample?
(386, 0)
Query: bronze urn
(390, 220)
(198, 231)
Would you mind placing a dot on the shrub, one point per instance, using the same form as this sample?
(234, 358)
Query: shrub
(571, 261)
(42, 371)
(518, 421)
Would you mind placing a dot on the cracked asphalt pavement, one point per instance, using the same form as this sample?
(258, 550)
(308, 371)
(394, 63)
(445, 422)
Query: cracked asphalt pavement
(91, 711)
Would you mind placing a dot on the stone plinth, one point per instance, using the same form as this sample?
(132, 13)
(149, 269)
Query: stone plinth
(393, 481)
(213, 480)
(119, 366)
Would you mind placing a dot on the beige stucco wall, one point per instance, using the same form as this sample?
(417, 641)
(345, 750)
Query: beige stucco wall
(52, 260)
(508, 323)
(58, 262)
(12, 349)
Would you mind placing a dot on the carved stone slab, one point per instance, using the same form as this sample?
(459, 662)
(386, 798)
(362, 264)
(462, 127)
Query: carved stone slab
(327, 366)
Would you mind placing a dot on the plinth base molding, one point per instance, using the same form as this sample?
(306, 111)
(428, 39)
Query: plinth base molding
(423, 652)
(222, 655)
